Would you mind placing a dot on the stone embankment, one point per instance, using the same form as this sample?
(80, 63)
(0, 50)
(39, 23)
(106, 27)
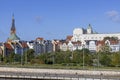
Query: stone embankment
(61, 71)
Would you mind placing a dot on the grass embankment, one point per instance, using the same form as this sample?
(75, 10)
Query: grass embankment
(60, 66)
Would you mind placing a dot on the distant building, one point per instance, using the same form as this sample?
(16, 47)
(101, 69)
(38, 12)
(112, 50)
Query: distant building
(1, 48)
(63, 45)
(30, 44)
(41, 46)
(48, 46)
(87, 38)
(56, 45)
(80, 34)
(114, 46)
(8, 49)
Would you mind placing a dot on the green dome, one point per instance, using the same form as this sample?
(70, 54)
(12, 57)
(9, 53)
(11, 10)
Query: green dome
(13, 37)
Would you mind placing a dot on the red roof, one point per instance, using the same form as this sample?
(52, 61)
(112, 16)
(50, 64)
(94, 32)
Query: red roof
(39, 38)
(24, 44)
(78, 42)
(8, 46)
(69, 37)
(100, 42)
(112, 42)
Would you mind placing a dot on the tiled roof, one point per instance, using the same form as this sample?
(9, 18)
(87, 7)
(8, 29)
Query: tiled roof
(24, 44)
(8, 46)
(78, 42)
(112, 42)
(69, 37)
(100, 42)
(39, 38)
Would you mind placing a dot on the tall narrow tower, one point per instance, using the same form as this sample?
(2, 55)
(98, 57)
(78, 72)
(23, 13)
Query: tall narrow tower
(13, 30)
(13, 36)
(89, 29)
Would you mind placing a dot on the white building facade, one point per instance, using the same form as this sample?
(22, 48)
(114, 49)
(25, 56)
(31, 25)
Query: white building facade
(80, 35)
(89, 39)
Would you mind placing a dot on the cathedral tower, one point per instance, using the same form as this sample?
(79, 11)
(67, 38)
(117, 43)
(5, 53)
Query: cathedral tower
(13, 36)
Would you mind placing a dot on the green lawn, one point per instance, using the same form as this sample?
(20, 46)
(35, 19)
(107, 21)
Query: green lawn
(60, 66)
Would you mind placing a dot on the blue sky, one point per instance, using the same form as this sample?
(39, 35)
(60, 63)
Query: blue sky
(55, 19)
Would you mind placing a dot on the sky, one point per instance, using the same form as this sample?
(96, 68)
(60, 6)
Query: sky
(55, 19)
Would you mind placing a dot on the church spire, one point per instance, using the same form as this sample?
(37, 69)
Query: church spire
(13, 30)
(13, 36)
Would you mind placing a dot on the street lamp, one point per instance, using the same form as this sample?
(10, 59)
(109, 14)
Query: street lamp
(98, 59)
(53, 57)
(22, 57)
(119, 45)
(83, 55)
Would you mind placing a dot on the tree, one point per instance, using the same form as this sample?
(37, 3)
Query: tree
(59, 57)
(111, 38)
(5, 59)
(29, 55)
(1, 57)
(77, 56)
(11, 57)
(42, 58)
(17, 58)
(106, 38)
(88, 59)
(67, 57)
(49, 58)
(105, 59)
(106, 49)
(115, 59)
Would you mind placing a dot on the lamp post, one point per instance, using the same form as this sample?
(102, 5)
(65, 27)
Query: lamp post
(26, 57)
(98, 59)
(22, 57)
(83, 56)
(119, 45)
(53, 57)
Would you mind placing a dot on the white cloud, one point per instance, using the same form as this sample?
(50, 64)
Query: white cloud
(114, 16)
